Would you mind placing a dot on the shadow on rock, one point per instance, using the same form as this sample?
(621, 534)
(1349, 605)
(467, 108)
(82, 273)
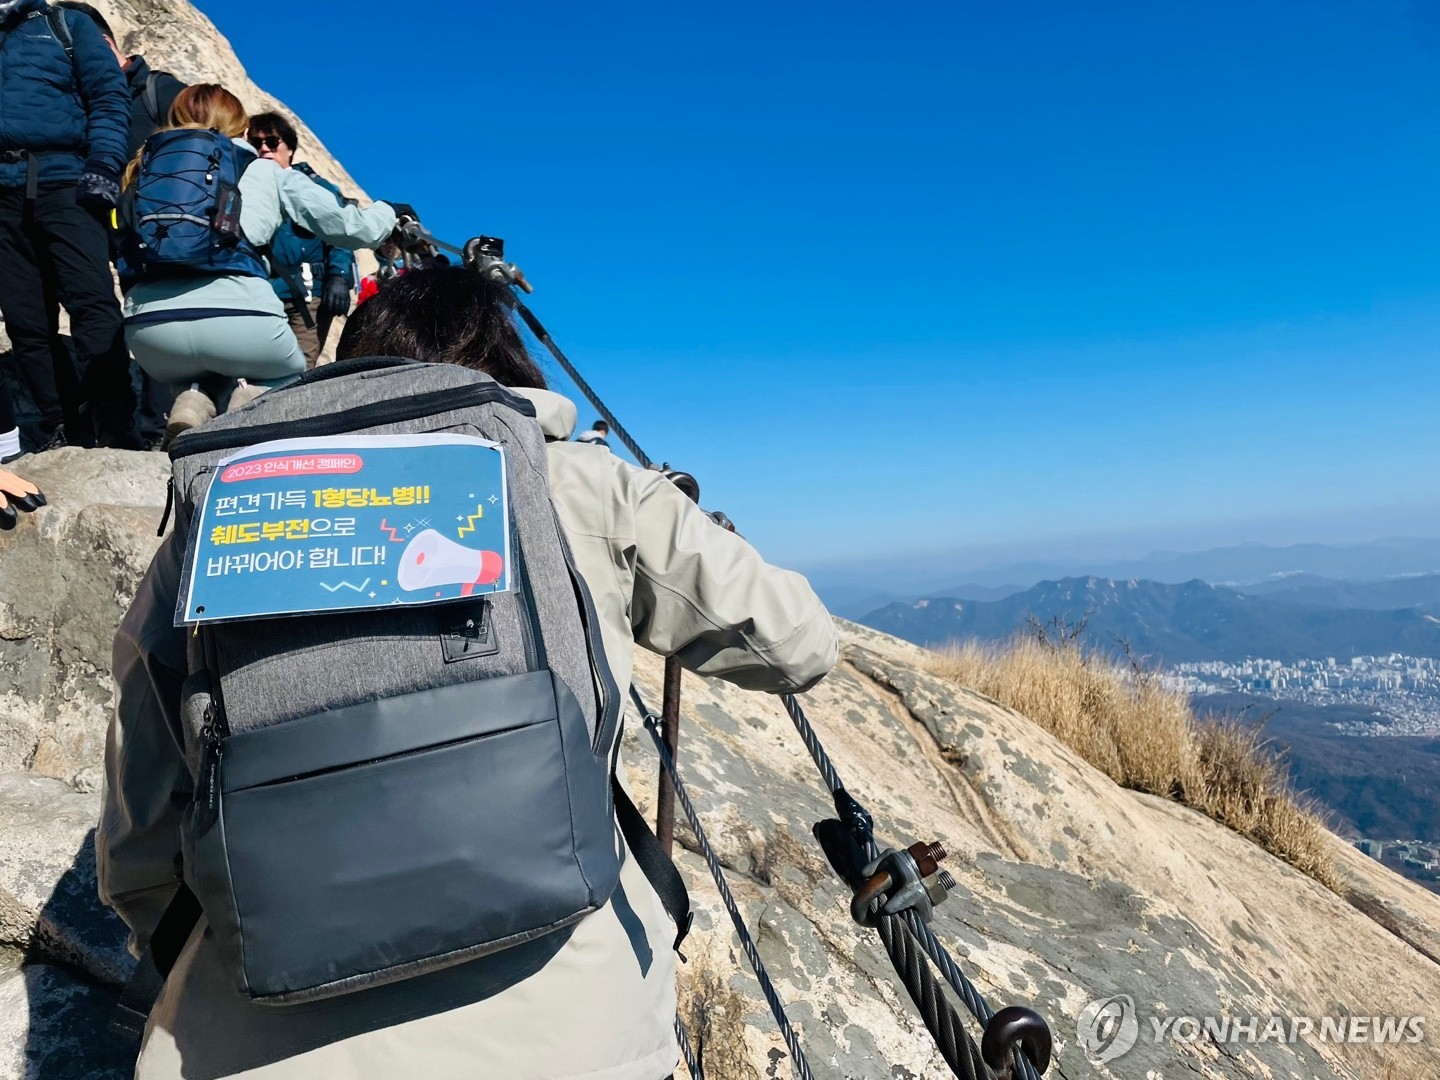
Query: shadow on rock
(66, 984)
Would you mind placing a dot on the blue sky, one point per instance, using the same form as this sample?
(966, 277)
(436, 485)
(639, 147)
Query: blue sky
(1031, 278)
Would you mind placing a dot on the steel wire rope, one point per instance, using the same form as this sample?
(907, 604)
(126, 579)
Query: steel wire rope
(955, 1043)
(939, 955)
(692, 1063)
(538, 329)
(798, 1062)
(932, 946)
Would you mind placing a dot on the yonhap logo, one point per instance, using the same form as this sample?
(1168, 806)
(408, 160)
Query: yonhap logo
(1108, 1027)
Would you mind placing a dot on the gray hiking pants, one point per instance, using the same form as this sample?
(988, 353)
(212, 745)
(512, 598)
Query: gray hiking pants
(258, 348)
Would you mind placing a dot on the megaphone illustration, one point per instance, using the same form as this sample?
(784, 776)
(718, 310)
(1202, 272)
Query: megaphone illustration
(431, 560)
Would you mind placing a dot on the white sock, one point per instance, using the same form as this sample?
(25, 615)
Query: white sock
(9, 443)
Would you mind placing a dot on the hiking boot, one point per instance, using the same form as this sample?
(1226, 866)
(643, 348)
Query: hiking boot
(243, 394)
(191, 409)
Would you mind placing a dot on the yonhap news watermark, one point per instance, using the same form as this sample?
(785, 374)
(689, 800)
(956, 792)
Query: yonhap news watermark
(1111, 1027)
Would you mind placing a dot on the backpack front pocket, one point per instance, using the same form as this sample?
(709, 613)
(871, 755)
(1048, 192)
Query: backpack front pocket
(374, 842)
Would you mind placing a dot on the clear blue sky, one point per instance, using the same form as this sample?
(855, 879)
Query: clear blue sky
(890, 280)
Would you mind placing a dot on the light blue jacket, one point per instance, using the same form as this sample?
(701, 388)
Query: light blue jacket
(269, 196)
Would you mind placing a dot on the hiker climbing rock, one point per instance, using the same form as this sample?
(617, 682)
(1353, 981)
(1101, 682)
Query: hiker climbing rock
(199, 309)
(62, 145)
(597, 435)
(297, 255)
(423, 889)
(151, 95)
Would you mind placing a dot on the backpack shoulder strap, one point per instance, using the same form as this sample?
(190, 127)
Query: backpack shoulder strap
(151, 97)
(61, 29)
(651, 858)
(146, 981)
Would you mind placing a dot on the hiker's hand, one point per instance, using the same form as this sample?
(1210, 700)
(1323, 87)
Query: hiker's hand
(335, 300)
(98, 189)
(17, 494)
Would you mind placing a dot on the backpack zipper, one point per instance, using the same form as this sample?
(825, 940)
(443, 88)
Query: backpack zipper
(605, 689)
(216, 726)
(376, 414)
(210, 760)
(535, 659)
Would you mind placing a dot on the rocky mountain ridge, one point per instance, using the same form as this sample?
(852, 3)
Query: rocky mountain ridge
(1069, 888)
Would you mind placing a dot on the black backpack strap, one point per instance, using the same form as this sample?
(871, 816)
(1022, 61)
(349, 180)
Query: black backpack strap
(296, 285)
(61, 29)
(151, 97)
(651, 857)
(171, 934)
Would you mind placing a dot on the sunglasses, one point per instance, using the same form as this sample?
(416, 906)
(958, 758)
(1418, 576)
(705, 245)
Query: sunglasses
(269, 142)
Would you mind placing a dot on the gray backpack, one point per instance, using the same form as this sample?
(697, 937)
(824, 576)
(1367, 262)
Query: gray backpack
(387, 791)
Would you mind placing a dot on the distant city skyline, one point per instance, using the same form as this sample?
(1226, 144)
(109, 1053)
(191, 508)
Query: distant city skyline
(979, 278)
(1403, 691)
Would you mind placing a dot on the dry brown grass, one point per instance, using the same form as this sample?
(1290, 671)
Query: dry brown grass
(1145, 737)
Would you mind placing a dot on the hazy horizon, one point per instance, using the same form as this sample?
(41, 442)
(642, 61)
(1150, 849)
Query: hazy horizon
(919, 568)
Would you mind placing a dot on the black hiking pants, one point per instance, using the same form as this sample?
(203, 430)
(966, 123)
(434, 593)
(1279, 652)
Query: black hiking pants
(52, 249)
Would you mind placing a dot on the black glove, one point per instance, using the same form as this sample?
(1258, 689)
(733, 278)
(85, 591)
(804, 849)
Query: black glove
(409, 235)
(335, 300)
(10, 501)
(99, 188)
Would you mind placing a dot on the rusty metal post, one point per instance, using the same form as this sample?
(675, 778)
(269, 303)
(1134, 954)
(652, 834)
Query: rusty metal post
(670, 709)
(670, 735)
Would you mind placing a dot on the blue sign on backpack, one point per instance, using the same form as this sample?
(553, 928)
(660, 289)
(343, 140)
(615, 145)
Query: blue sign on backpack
(348, 522)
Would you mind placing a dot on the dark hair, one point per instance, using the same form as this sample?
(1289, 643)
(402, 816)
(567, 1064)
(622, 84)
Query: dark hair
(448, 315)
(600, 425)
(90, 13)
(272, 123)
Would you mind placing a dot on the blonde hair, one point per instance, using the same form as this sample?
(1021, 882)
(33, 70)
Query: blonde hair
(202, 106)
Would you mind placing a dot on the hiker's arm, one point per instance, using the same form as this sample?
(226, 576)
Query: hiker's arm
(105, 95)
(705, 595)
(339, 262)
(137, 844)
(309, 205)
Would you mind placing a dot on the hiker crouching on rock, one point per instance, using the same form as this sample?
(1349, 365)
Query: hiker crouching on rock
(593, 1001)
(200, 312)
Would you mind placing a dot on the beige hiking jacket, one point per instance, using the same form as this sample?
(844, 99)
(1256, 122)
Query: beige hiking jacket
(598, 1003)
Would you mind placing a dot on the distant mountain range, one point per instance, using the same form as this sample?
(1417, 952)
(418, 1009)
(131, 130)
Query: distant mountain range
(1246, 564)
(1261, 567)
(1420, 592)
(1172, 623)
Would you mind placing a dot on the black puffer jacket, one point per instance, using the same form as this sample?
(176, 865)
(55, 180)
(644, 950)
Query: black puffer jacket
(77, 110)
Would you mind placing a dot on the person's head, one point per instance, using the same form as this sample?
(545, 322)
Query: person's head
(273, 138)
(601, 426)
(209, 105)
(446, 315)
(100, 24)
(203, 106)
